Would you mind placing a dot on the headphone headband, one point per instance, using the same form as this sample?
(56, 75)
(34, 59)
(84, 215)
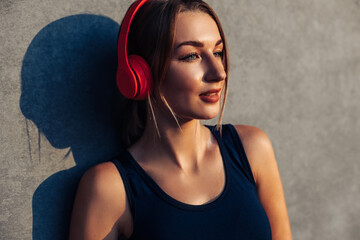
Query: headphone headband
(125, 29)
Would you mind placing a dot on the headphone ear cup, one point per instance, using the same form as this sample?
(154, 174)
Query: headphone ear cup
(142, 72)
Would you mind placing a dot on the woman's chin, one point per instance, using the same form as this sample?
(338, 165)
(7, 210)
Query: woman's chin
(208, 118)
(209, 115)
(199, 116)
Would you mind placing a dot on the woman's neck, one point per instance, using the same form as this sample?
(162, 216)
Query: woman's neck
(183, 146)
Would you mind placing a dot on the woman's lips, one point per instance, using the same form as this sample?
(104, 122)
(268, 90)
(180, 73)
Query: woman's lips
(211, 96)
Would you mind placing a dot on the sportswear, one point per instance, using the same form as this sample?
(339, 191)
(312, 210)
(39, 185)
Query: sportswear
(235, 214)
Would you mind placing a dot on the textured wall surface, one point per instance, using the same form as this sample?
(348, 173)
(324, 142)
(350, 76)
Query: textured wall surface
(295, 68)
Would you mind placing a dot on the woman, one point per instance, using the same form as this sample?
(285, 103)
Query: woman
(179, 179)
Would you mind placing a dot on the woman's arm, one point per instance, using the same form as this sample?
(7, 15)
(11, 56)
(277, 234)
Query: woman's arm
(261, 157)
(99, 206)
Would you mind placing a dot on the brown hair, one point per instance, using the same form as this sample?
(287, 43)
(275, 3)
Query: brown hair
(152, 37)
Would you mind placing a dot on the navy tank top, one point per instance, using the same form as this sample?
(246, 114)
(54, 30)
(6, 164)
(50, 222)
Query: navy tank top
(235, 214)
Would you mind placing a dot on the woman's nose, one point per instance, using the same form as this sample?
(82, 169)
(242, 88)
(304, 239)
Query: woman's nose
(214, 69)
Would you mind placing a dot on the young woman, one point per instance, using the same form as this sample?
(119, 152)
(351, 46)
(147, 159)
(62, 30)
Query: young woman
(179, 179)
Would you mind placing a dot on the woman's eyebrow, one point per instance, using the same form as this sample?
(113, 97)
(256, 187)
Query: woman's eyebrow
(196, 43)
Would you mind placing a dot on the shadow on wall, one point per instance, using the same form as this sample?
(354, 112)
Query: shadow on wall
(69, 92)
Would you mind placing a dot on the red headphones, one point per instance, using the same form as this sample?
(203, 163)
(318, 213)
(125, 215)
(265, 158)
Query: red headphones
(133, 76)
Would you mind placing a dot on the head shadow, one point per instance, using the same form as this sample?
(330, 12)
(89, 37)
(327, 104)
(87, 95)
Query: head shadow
(68, 90)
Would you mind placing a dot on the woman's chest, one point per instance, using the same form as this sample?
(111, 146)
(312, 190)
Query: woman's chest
(237, 214)
(198, 187)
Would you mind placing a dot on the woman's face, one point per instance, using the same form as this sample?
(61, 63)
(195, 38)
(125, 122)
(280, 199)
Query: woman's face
(196, 75)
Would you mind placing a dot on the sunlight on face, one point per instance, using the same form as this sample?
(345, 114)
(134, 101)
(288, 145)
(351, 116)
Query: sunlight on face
(196, 74)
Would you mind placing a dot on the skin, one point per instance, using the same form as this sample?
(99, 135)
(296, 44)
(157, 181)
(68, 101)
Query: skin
(186, 163)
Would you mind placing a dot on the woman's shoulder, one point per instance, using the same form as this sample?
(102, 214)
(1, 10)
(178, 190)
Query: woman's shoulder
(101, 193)
(103, 183)
(257, 146)
(101, 177)
(252, 135)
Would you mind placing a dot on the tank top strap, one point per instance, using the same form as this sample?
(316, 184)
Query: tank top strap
(122, 166)
(235, 148)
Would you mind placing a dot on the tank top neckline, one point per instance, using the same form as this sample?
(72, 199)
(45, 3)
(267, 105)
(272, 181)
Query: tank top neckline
(164, 196)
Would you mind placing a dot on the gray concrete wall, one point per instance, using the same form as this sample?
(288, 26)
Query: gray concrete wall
(295, 68)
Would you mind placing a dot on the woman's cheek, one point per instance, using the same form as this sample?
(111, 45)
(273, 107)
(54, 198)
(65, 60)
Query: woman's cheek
(188, 78)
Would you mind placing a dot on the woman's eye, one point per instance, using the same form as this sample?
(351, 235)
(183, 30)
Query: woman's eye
(219, 54)
(189, 57)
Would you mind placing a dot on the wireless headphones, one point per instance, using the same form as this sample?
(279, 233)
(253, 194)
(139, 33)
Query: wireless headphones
(133, 76)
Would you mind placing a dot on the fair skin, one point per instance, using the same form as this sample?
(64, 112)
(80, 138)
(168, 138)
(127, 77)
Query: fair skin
(186, 163)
